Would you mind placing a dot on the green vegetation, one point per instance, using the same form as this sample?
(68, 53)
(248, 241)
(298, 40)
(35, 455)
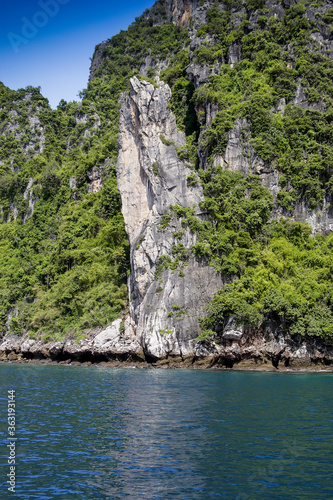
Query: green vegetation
(164, 331)
(155, 169)
(165, 141)
(141, 239)
(64, 267)
(277, 269)
(64, 254)
(166, 218)
(290, 283)
(178, 311)
(275, 61)
(192, 180)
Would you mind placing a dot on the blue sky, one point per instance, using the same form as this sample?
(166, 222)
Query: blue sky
(49, 43)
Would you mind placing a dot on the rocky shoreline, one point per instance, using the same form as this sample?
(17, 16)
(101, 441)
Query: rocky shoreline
(117, 346)
(190, 364)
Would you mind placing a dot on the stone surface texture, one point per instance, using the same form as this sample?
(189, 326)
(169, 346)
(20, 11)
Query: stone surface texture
(151, 178)
(117, 341)
(165, 303)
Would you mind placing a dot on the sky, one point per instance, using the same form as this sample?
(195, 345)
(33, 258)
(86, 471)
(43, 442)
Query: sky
(49, 43)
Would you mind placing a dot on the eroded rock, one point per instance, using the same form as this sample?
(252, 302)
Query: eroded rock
(151, 178)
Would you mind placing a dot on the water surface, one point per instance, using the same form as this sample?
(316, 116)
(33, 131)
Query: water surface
(100, 433)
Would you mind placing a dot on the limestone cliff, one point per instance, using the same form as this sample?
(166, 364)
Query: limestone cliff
(21, 124)
(165, 305)
(249, 84)
(239, 154)
(167, 294)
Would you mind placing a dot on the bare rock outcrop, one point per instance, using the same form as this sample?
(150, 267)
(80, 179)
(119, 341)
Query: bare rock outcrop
(116, 342)
(240, 156)
(165, 300)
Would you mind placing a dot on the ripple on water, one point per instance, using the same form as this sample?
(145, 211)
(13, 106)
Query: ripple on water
(92, 433)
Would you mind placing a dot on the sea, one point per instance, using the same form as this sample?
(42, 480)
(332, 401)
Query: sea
(93, 433)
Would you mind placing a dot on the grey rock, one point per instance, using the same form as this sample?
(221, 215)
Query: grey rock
(85, 118)
(302, 101)
(233, 331)
(29, 194)
(270, 348)
(235, 53)
(240, 156)
(319, 219)
(276, 9)
(156, 64)
(95, 179)
(27, 189)
(198, 74)
(97, 59)
(211, 110)
(281, 106)
(13, 128)
(105, 344)
(148, 135)
(232, 335)
(72, 183)
(206, 348)
(12, 212)
(179, 12)
(165, 310)
(113, 341)
(31, 206)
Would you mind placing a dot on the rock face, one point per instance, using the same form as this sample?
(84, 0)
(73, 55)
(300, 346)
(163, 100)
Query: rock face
(169, 287)
(165, 303)
(23, 125)
(95, 180)
(178, 12)
(150, 175)
(240, 156)
(116, 342)
(244, 350)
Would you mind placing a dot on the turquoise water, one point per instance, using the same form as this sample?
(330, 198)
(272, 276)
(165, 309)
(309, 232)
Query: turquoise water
(100, 433)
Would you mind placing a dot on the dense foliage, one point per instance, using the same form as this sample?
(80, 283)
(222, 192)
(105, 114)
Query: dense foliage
(274, 270)
(63, 248)
(64, 253)
(279, 57)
